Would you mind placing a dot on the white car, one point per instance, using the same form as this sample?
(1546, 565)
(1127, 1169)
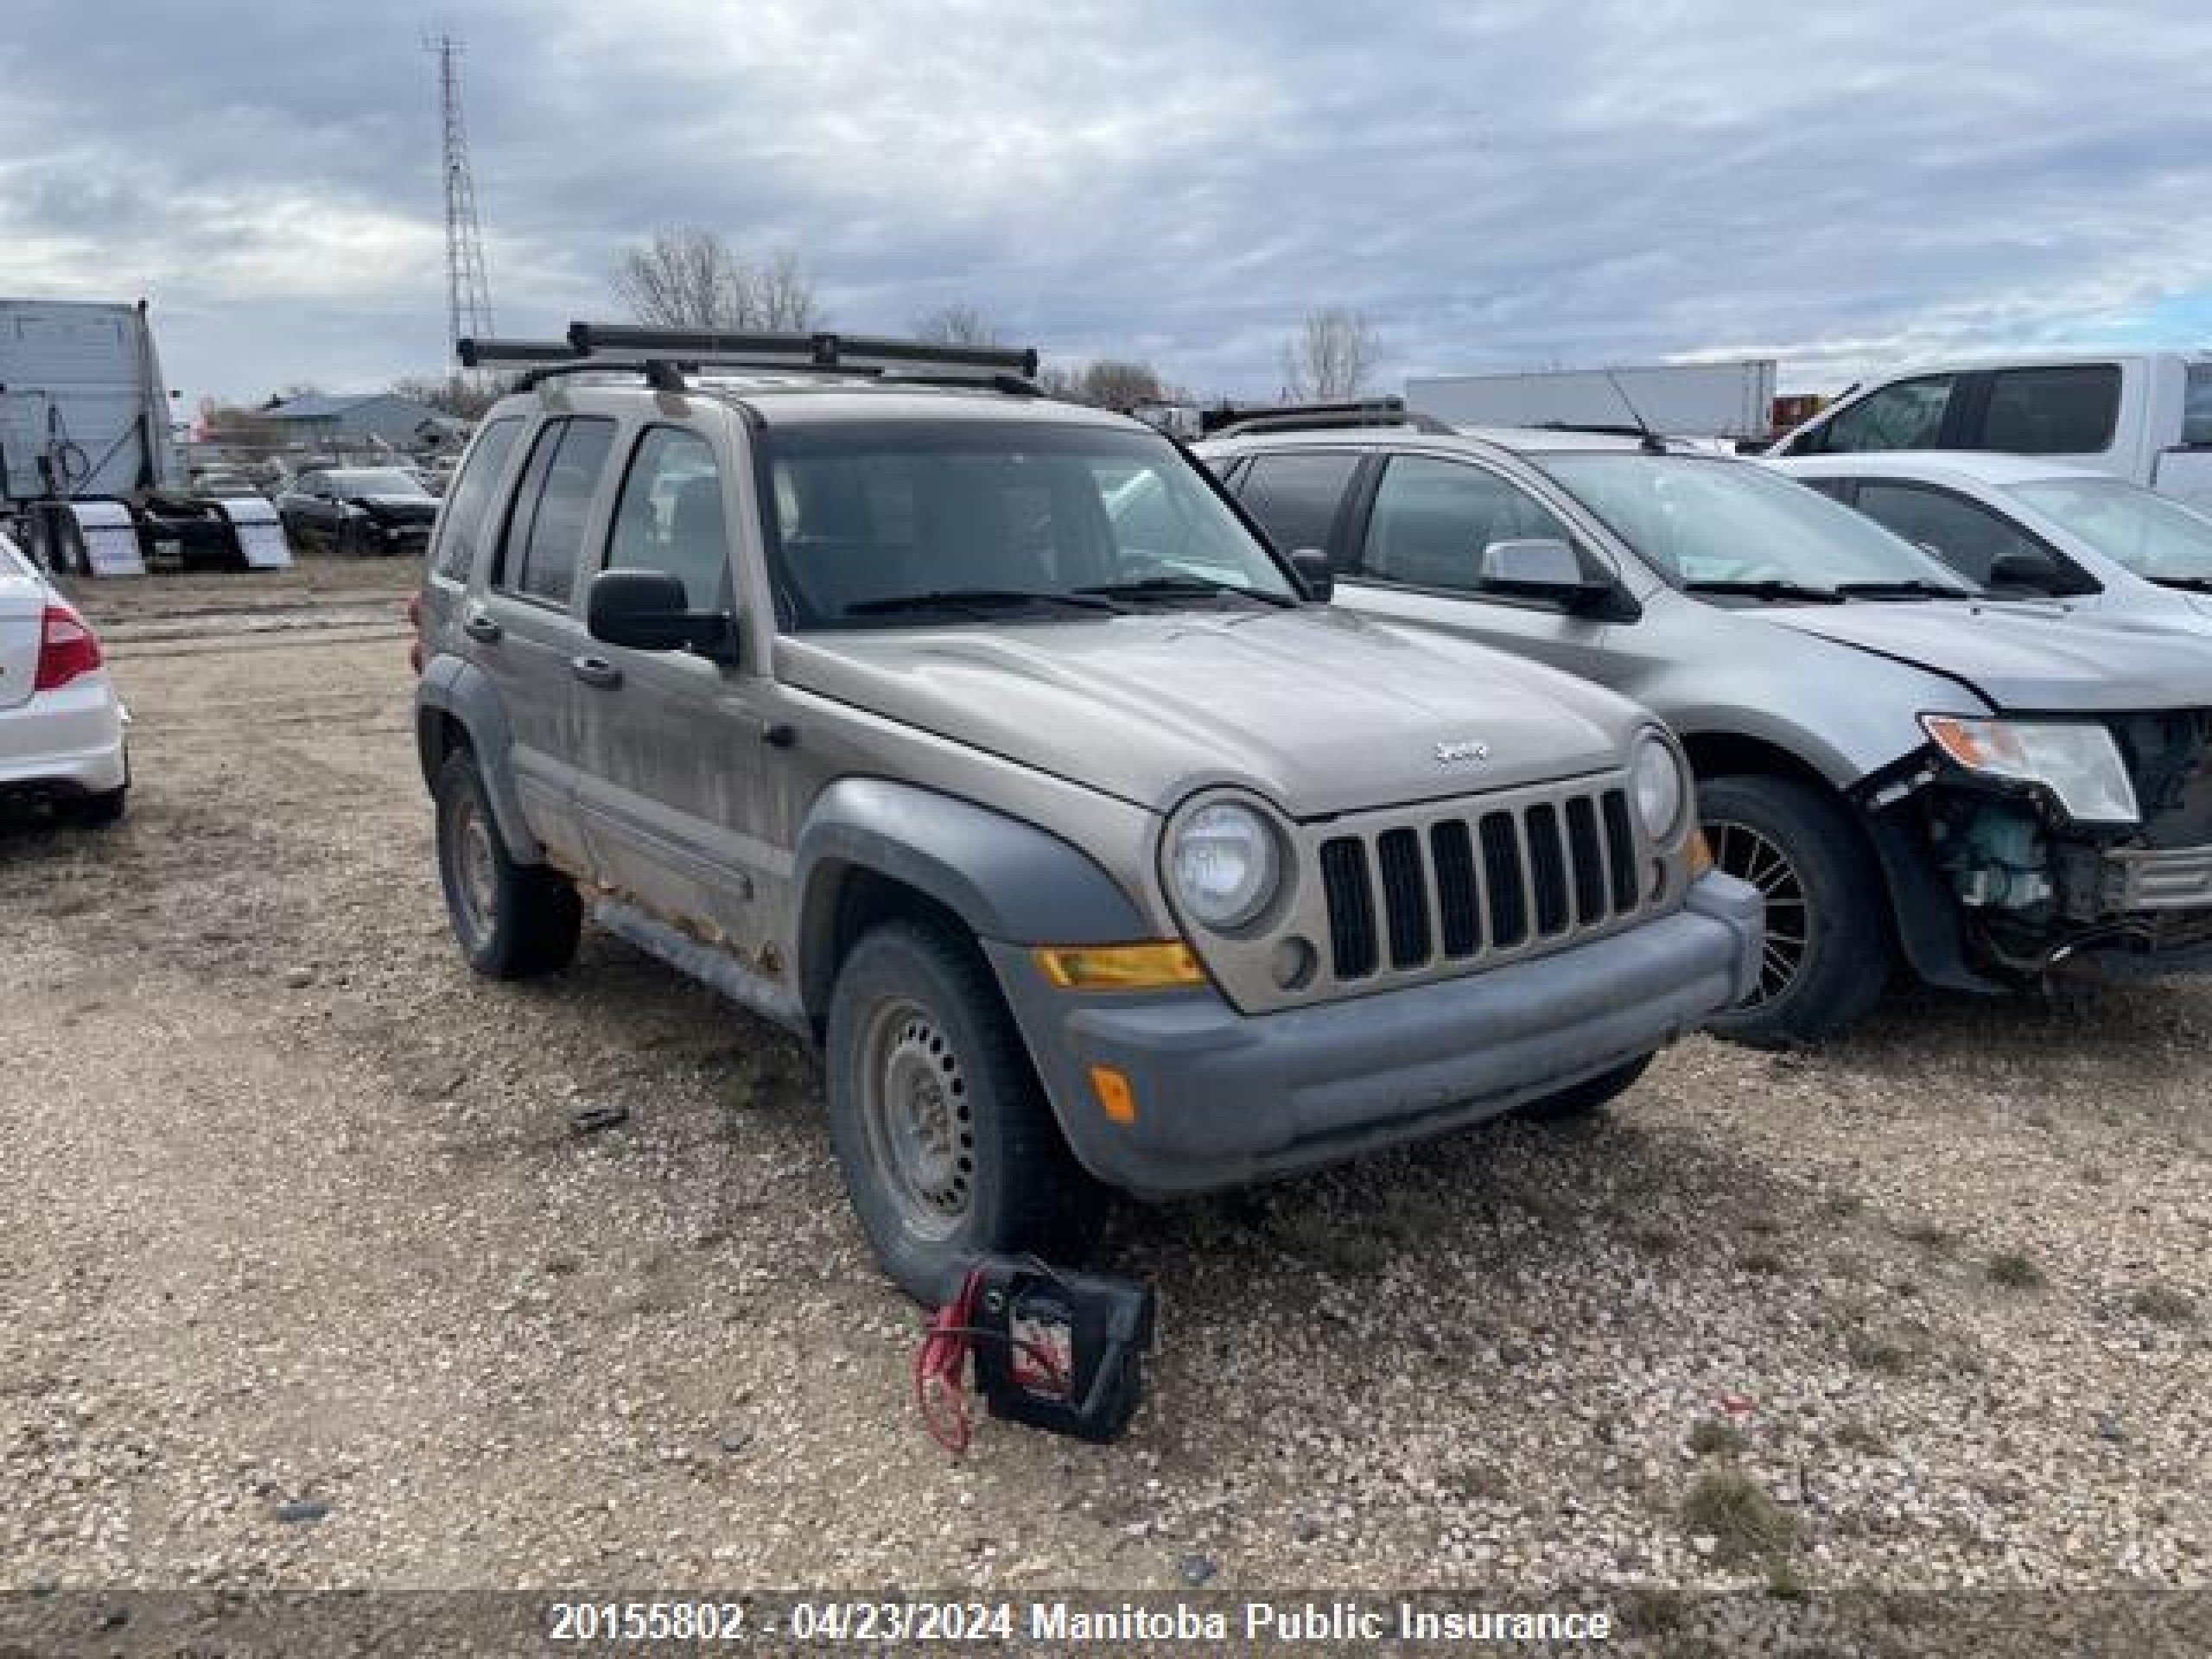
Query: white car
(2029, 527)
(61, 724)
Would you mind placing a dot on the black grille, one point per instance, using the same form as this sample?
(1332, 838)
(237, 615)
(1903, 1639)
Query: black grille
(1405, 896)
(1508, 904)
(1351, 907)
(1497, 882)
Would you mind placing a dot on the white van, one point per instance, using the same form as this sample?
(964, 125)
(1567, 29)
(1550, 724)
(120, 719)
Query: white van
(2147, 417)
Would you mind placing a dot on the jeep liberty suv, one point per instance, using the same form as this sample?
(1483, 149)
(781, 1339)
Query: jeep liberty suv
(980, 740)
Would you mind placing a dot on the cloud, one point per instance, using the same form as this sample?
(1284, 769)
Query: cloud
(1496, 187)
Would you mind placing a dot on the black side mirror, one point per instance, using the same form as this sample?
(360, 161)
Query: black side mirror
(648, 610)
(2037, 572)
(1311, 566)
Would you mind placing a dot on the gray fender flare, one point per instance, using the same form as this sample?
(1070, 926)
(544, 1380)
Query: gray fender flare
(1007, 881)
(463, 691)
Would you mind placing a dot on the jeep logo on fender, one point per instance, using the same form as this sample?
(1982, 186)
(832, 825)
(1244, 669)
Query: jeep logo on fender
(1467, 752)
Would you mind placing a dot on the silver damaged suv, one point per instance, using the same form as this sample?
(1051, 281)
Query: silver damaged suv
(980, 740)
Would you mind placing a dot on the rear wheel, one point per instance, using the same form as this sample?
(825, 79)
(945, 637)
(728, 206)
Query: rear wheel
(1591, 1095)
(947, 1143)
(1828, 950)
(105, 808)
(512, 920)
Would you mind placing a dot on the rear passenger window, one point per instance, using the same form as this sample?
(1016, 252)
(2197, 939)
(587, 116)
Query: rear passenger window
(2069, 410)
(2197, 408)
(669, 517)
(1907, 416)
(460, 524)
(546, 533)
(1295, 497)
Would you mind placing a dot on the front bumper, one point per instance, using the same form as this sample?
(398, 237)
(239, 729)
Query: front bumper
(1224, 1098)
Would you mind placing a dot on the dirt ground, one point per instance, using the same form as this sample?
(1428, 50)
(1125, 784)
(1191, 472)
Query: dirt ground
(309, 1280)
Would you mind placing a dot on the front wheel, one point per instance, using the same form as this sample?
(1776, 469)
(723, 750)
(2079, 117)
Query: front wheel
(947, 1143)
(1828, 949)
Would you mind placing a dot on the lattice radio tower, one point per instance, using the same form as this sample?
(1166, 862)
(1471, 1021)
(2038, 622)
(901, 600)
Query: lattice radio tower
(468, 293)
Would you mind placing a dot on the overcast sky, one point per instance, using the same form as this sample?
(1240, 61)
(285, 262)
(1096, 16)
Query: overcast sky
(1496, 184)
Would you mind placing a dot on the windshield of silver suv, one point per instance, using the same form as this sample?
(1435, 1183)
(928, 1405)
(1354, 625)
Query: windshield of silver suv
(1731, 530)
(882, 524)
(2154, 537)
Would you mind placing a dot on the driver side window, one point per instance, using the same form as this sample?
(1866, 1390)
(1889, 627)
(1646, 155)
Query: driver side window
(1433, 518)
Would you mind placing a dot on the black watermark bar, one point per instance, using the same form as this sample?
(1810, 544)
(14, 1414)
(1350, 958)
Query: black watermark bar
(239, 1622)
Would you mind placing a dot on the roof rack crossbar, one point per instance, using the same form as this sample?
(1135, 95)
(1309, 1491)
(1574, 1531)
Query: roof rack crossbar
(822, 350)
(1231, 421)
(491, 352)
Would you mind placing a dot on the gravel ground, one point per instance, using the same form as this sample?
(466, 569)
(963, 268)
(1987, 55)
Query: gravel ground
(311, 1281)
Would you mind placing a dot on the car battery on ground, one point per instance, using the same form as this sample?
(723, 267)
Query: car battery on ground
(1053, 1349)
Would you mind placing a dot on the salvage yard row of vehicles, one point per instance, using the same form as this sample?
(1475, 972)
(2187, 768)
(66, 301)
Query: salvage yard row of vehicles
(1015, 756)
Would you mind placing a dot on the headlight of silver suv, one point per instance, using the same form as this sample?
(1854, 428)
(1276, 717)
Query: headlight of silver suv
(1225, 863)
(2076, 761)
(1661, 784)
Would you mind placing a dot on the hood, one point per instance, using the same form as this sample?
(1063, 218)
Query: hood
(2035, 657)
(397, 506)
(1318, 710)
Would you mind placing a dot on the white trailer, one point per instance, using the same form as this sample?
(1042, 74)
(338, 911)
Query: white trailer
(88, 467)
(1706, 400)
(83, 410)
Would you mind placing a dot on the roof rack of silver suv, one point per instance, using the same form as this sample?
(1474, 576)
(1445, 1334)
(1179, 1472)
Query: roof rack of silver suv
(1229, 420)
(663, 355)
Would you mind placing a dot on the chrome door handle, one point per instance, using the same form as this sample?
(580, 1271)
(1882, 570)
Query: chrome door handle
(482, 624)
(596, 670)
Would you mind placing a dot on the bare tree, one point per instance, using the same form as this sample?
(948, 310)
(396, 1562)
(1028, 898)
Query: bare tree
(957, 325)
(1331, 356)
(1106, 383)
(783, 298)
(465, 396)
(689, 277)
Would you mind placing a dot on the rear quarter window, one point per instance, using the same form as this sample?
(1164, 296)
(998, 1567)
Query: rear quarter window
(2197, 408)
(468, 503)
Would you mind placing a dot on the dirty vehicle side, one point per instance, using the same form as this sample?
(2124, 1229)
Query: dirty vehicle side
(977, 738)
(1907, 769)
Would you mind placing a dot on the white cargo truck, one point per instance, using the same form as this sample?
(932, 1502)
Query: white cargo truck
(89, 472)
(1732, 400)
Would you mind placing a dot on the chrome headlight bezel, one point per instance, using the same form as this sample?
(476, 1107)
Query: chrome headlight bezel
(1661, 788)
(1226, 827)
(2077, 763)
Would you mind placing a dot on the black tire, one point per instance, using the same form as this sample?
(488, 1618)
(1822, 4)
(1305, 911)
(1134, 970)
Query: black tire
(100, 810)
(948, 1145)
(512, 921)
(348, 542)
(1589, 1096)
(1829, 948)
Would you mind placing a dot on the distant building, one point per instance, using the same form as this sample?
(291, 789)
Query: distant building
(403, 422)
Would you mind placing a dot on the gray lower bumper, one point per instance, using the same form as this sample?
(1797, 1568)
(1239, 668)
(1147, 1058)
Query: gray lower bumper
(1223, 1098)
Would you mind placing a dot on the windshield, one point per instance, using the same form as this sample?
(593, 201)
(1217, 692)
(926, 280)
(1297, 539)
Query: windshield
(375, 480)
(876, 525)
(1702, 521)
(2152, 535)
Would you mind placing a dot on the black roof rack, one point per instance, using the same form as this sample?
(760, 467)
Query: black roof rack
(663, 355)
(1231, 420)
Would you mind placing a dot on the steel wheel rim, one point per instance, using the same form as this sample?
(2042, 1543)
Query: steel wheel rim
(920, 1117)
(476, 871)
(1746, 853)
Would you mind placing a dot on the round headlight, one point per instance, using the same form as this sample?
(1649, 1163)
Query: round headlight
(1661, 788)
(1223, 864)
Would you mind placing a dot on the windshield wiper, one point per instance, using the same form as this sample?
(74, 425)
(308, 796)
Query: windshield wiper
(1914, 588)
(976, 601)
(1769, 587)
(1182, 587)
(2187, 584)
